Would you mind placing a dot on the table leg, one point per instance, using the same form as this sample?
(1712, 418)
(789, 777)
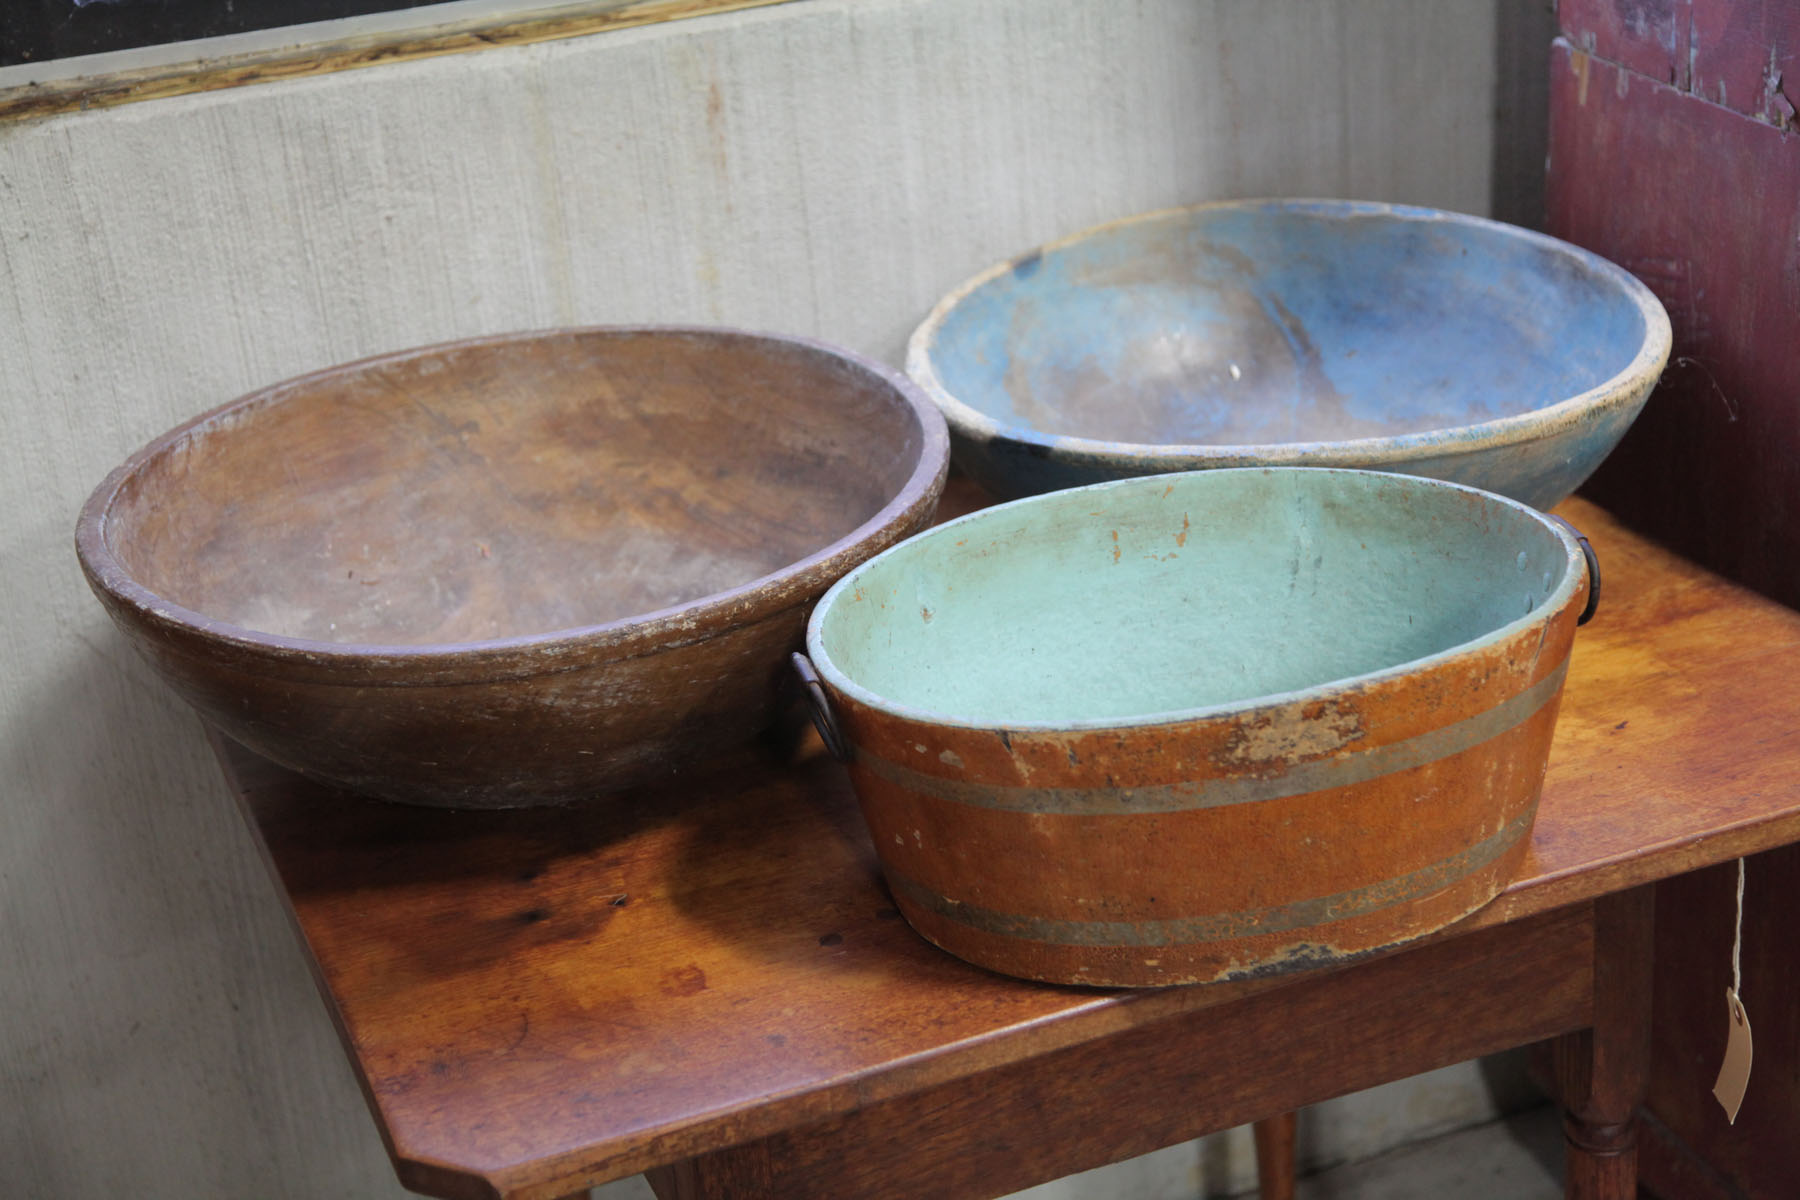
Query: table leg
(1602, 1072)
(1275, 1157)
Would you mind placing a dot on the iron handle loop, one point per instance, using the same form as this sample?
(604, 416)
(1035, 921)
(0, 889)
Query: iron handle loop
(1593, 567)
(824, 720)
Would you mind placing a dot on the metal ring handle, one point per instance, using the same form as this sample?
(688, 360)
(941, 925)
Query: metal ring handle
(824, 720)
(1593, 566)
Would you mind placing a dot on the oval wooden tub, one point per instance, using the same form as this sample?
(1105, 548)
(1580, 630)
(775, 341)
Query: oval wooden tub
(1204, 726)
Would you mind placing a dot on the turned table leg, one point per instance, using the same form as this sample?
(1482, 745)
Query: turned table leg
(1601, 1073)
(1275, 1157)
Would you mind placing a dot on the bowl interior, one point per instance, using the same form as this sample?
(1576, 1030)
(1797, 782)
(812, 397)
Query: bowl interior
(513, 487)
(1283, 322)
(1182, 592)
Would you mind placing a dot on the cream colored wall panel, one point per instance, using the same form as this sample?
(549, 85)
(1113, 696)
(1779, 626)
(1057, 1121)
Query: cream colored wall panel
(826, 167)
(1437, 91)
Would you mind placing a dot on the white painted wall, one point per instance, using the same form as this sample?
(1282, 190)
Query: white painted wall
(826, 167)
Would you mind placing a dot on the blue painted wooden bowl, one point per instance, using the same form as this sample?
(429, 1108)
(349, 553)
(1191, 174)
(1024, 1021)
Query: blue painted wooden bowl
(1202, 727)
(1294, 332)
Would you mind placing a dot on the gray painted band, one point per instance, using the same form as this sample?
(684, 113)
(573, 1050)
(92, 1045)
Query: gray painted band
(1182, 931)
(1337, 771)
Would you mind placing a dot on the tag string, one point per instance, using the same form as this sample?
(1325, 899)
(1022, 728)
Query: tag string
(1737, 939)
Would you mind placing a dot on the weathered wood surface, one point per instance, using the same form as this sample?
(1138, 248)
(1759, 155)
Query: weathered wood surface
(539, 1000)
(1703, 1154)
(1360, 335)
(311, 58)
(1674, 151)
(513, 570)
(1275, 1156)
(1208, 1068)
(1744, 57)
(1047, 835)
(1601, 1070)
(1698, 201)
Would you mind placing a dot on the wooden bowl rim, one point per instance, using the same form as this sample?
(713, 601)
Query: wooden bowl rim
(1563, 602)
(552, 651)
(1628, 386)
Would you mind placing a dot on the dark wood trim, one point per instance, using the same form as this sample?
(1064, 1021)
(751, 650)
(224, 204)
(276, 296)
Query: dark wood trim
(1275, 1164)
(1177, 1079)
(1670, 1169)
(1601, 1072)
(150, 83)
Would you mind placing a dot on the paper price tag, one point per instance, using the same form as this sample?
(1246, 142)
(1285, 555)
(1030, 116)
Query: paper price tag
(1734, 1072)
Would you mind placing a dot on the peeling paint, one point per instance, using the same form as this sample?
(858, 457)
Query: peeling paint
(1579, 63)
(1295, 734)
(1777, 109)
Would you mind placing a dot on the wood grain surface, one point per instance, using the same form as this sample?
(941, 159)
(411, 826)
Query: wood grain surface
(1713, 464)
(1692, 1149)
(538, 1001)
(315, 58)
(1209, 1068)
(1744, 57)
(1601, 1070)
(1646, 101)
(1275, 1156)
(514, 570)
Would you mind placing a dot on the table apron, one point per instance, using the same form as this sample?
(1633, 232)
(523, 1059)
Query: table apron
(1103, 1101)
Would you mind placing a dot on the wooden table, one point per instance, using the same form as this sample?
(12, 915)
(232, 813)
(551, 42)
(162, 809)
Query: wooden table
(709, 982)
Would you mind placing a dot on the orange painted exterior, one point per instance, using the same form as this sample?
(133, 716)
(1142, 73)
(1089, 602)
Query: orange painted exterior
(1268, 839)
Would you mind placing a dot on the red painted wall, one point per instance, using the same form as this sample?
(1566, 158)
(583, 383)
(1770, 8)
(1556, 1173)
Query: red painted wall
(1673, 151)
(1701, 201)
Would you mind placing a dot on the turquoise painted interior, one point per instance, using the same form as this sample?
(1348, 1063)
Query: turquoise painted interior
(1285, 322)
(1178, 592)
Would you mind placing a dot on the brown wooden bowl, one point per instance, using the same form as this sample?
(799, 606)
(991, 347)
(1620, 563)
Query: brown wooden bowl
(512, 570)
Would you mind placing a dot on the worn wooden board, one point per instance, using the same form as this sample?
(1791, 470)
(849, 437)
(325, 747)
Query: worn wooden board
(1757, 1153)
(1738, 56)
(38, 31)
(1649, 37)
(1076, 1108)
(1703, 204)
(1696, 187)
(537, 1001)
(298, 57)
(1746, 57)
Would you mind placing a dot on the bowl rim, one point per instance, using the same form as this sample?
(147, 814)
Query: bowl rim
(1624, 387)
(551, 651)
(1560, 599)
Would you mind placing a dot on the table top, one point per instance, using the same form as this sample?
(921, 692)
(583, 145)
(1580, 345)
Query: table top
(539, 999)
